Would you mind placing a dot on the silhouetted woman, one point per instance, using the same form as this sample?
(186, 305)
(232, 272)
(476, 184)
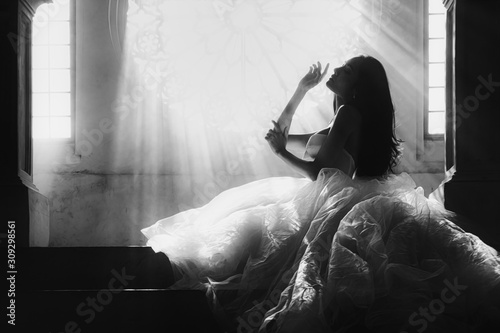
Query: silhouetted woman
(362, 136)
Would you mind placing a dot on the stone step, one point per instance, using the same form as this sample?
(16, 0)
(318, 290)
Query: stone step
(82, 268)
(96, 311)
(103, 289)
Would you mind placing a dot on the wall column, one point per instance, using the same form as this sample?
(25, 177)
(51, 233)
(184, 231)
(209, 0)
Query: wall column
(473, 114)
(25, 205)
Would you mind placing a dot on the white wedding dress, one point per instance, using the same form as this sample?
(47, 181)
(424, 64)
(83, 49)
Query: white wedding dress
(288, 254)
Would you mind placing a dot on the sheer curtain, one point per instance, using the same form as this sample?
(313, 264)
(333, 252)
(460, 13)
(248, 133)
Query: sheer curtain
(201, 81)
(200, 78)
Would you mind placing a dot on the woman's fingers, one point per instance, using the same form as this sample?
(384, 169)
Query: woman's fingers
(277, 128)
(326, 71)
(314, 75)
(271, 133)
(318, 73)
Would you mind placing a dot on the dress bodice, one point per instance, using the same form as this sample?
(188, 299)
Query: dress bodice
(346, 161)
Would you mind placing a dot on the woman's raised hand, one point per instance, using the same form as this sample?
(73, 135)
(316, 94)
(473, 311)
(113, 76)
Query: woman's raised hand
(313, 77)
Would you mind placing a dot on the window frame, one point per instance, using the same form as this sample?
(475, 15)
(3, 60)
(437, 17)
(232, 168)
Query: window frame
(72, 70)
(428, 136)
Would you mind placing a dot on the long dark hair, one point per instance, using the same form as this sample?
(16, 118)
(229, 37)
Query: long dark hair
(379, 149)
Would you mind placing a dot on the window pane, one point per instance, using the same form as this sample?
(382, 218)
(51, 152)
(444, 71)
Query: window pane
(59, 80)
(436, 6)
(437, 26)
(59, 33)
(437, 50)
(59, 57)
(40, 105)
(436, 122)
(40, 57)
(60, 104)
(436, 75)
(40, 80)
(59, 10)
(51, 74)
(40, 30)
(60, 127)
(41, 127)
(436, 99)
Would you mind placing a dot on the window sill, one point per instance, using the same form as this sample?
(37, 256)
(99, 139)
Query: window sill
(434, 137)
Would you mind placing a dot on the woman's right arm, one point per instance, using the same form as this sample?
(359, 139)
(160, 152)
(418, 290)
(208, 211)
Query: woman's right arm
(285, 119)
(310, 80)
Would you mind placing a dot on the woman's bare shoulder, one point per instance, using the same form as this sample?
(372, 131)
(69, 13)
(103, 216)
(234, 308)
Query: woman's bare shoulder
(349, 114)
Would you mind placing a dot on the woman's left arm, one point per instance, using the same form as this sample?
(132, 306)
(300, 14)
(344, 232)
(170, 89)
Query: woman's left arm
(305, 168)
(277, 139)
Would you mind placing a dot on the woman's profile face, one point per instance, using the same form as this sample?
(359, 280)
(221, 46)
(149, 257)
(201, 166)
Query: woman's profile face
(344, 78)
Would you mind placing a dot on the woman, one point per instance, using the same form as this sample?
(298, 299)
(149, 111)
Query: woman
(349, 247)
(362, 134)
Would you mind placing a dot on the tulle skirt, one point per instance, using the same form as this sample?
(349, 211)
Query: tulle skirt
(288, 254)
